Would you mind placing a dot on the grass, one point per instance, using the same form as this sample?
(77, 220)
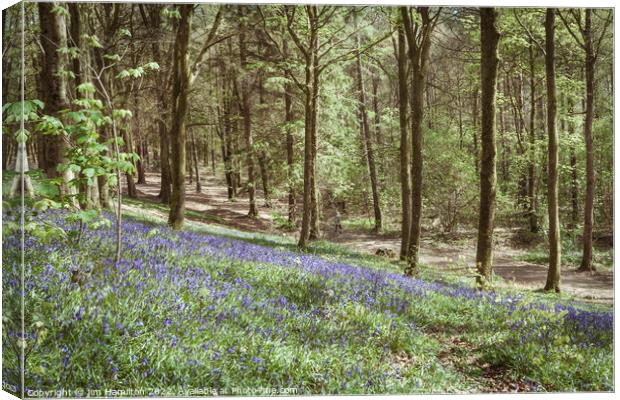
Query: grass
(602, 258)
(163, 208)
(211, 307)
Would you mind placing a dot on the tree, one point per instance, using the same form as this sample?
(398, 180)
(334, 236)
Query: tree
(367, 140)
(489, 39)
(180, 93)
(152, 17)
(531, 168)
(290, 143)
(419, 40)
(591, 47)
(553, 276)
(54, 82)
(184, 74)
(403, 101)
(246, 111)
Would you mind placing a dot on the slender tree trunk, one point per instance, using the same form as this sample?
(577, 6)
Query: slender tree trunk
(178, 132)
(475, 133)
(213, 153)
(246, 113)
(365, 128)
(165, 190)
(190, 159)
(586, 261)
(489, 38)
(74, 41)
(136, 136)
(553, 277)
(574, 192)
(141, 163)
(403, 101)
(378, 133)
(131, 183)
(315, 217)
(196, 164)
(531, 183)
(264, 173)
(290, 143)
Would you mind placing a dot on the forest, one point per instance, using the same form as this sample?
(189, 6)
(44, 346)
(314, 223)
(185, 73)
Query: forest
(227, 199)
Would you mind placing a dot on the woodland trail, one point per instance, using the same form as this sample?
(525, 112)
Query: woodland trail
(445, 253)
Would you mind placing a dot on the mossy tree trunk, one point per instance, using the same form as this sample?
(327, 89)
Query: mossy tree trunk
(489, 38)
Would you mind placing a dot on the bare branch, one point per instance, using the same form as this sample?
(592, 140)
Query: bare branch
(567, 25)
(529, 33)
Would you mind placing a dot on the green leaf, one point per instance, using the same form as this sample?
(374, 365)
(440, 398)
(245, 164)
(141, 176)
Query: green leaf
(86, 87)
(89, 172)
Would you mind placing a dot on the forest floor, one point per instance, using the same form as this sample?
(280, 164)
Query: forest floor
(453, 253)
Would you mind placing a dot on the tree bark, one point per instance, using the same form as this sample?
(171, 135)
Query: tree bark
(178, 134)
(475, 134)
(553, 276)
(365, 128)
(315, 216)
(246, 113)
(310, 108)
(489, 38)
(165, 189)
(74, 41)
(403, 101)
(264, 173)
(586, 261)
(53, 84)
(196, 163)
(531, 182)
(290, 143)
(131, 183)
(419, 48)
(574, 192)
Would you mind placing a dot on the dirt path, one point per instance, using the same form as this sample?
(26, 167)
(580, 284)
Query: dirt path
(450, 256)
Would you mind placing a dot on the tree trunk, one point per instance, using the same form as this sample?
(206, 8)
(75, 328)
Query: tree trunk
(586, 261)
(226, 150)
(365, 128)
(309, 131)
(178, 132)
(574, 192)
(141, 163)
(553, 276)
(475, 134)
(403, 101)
(290, 143)
(74, 41)
(190, 159)
(531, 182)
(131, 183)
(53, 36)
(378, 134)
(315, 216)
(136, 136)
(213, 153)
(246, 113)
(195, 158)
(165, 190)
(264, 173)
(419, 48)
(489, 38)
